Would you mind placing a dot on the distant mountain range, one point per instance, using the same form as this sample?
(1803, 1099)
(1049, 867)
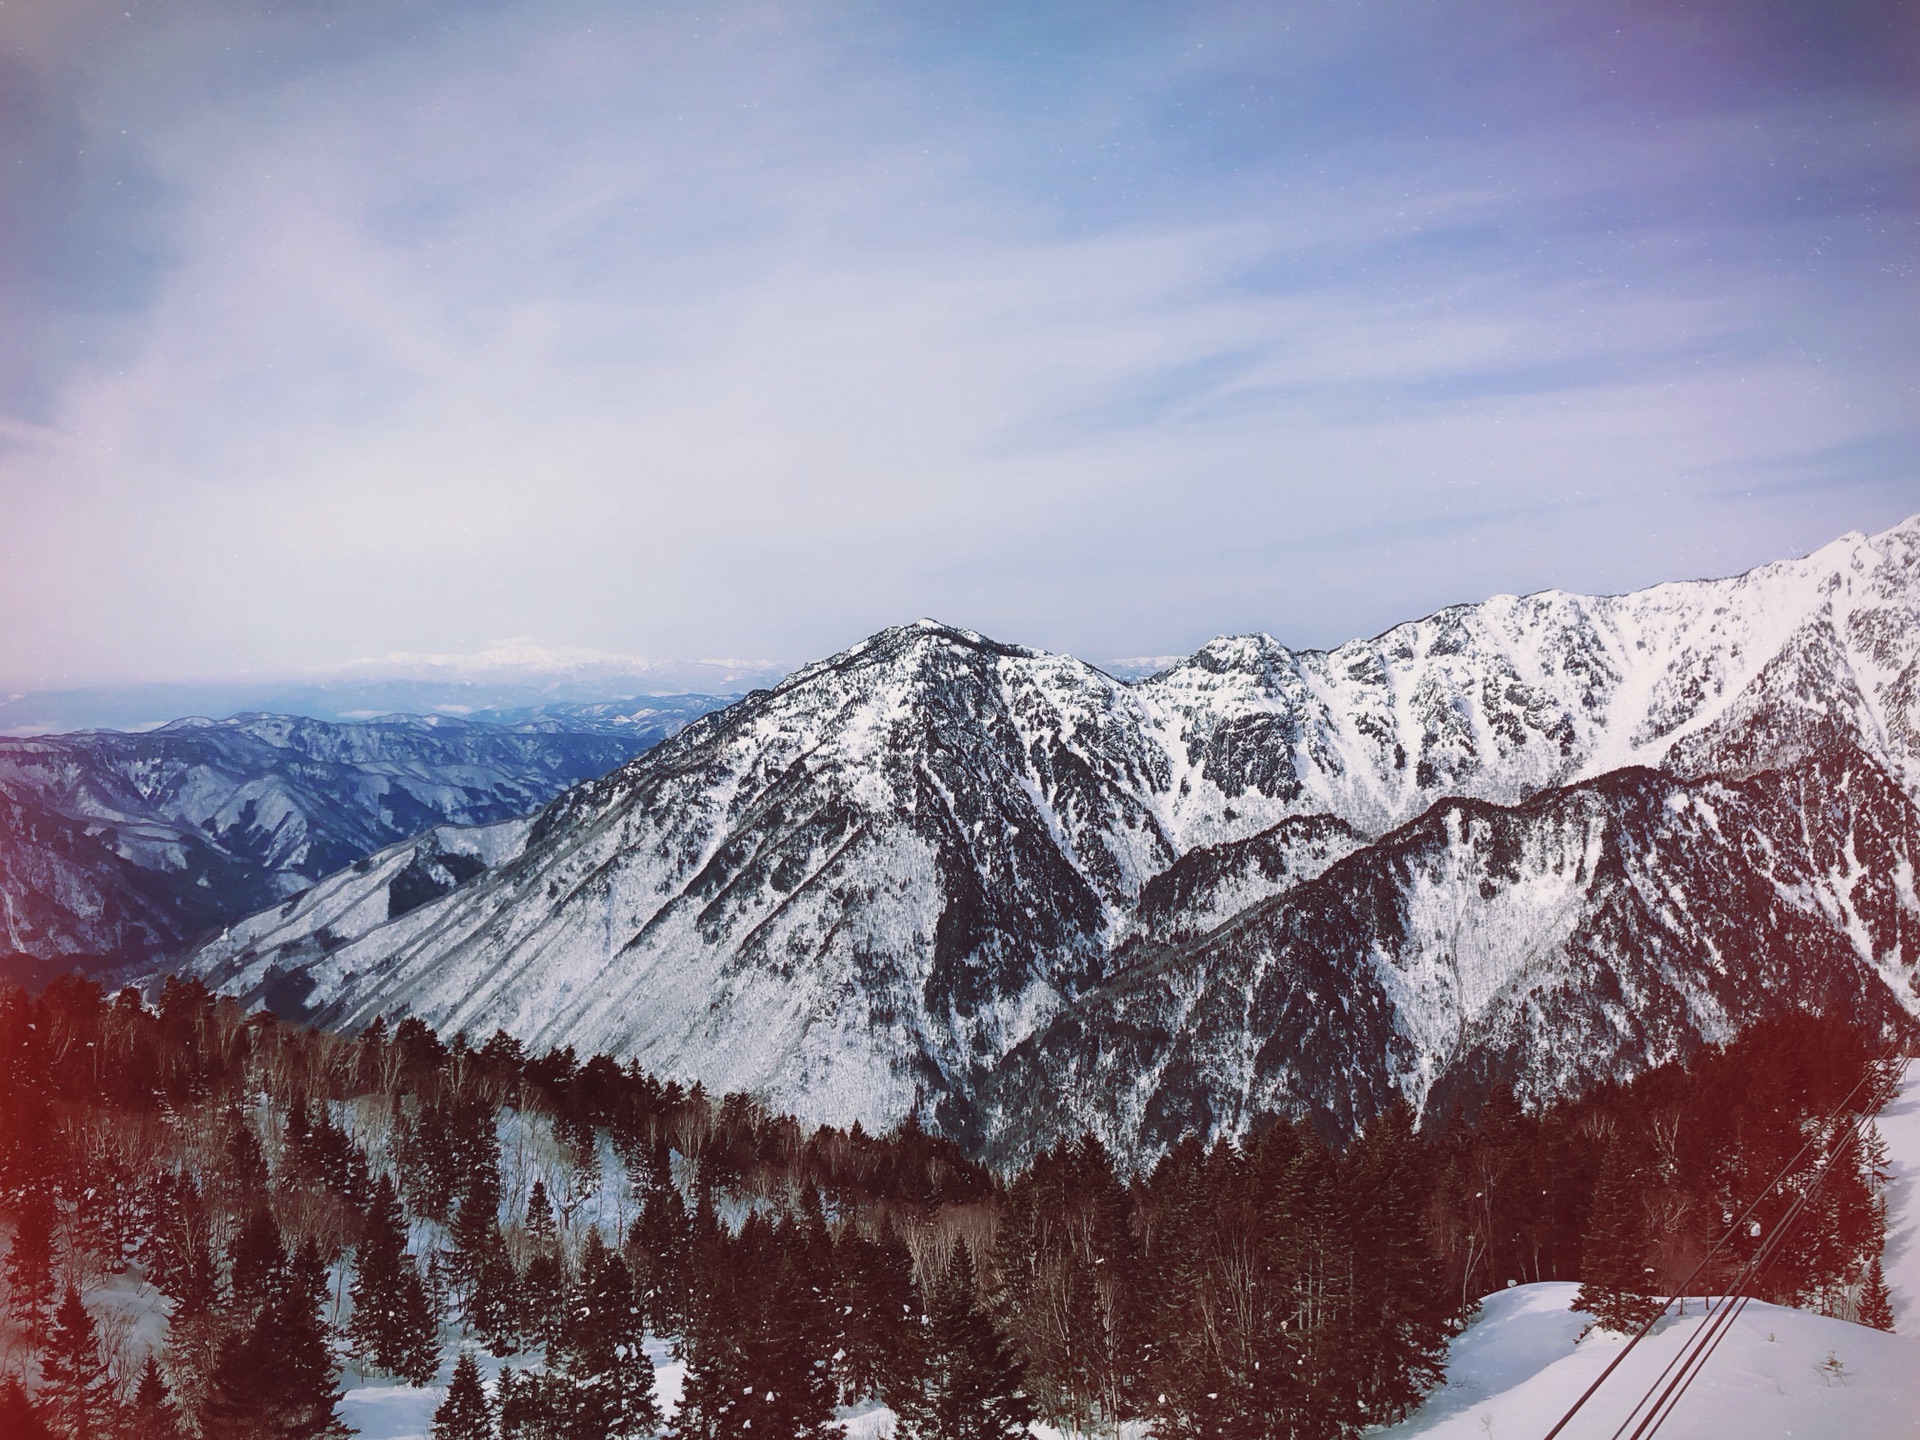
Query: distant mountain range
(495, 685)
(1535, 840)
(117, 847)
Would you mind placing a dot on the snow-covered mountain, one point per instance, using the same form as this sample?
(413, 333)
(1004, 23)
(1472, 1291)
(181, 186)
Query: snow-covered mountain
(116, 846)
(872, 886)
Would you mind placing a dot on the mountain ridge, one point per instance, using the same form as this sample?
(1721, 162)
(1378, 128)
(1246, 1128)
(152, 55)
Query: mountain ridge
(859, 892)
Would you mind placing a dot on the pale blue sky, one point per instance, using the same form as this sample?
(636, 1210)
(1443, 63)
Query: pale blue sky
(335, 329)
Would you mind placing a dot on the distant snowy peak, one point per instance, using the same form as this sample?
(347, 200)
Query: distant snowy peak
(566, 671)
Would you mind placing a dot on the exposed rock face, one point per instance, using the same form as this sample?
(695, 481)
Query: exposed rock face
(940, 871)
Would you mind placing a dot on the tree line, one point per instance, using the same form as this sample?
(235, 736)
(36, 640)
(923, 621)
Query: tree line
(300, 1205)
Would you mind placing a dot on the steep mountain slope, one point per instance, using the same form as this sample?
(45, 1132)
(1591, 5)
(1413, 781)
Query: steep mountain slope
(1592, 931)
(862, 890)
(858, 887)
(119, 845)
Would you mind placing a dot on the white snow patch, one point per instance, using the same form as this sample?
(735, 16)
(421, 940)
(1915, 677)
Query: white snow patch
(1778, 1372)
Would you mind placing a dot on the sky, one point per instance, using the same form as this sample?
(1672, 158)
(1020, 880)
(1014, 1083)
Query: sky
(337, 328)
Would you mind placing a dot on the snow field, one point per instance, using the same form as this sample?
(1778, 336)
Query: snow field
(1899, 1126)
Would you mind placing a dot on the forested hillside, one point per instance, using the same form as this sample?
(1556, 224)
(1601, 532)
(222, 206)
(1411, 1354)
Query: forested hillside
(214, 1220)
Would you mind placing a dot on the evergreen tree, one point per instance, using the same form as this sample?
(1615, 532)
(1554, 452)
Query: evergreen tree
(428, 1164)
(1876, 1303)
(540, 1226)
(714, 1395)
(525, 1405)
(29, 1264)
(789, 1386)
(972, 1388)
(475, 1230)
(493, 1306)
(243, 1168)
(153, 1415)
(20, 1418)
(878, 1331)
(660, 1234)
(393, 1328)
(464, 1413)
(275, 1378)
(603, 1379)
(543, 1298)
(1395, 1325)
(309, 1371)
(77, 1389)
(257, 1261)
(1615, 1286)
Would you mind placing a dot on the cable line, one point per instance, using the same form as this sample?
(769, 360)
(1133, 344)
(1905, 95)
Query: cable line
(1894, 1048)
(1699, 1348)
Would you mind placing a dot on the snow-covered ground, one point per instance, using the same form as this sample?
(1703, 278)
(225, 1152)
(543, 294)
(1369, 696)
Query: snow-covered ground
(1778, 1372)
(1899, 1126)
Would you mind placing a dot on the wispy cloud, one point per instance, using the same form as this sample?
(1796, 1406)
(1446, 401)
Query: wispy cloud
(748, 332)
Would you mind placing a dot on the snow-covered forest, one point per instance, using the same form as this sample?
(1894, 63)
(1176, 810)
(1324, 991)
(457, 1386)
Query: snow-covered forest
(221, 1225)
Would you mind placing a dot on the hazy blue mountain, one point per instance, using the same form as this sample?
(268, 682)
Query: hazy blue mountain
(119, 846)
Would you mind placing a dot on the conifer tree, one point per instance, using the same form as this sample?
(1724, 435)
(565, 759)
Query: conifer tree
(393, 1328)
(543, 1298)
(153, 1415)
(275, 1377)
(1395, 1323)
(29, 1264)
(428, 1164)
(475, 1230)
(713, 1347)
(540, 1226)
(789, 1342)
(309, 1371)
(243, 1169)
(879, 1316)
(257, 1261)
(464, 1414)
(20, 1418)
(1876, 1303)
(481, 1269)
(661, 1234)
(76, 1386)
(1615, 1287)
(493, 1306)
(972, 1386)
(525, 1404)
(603, 1379)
